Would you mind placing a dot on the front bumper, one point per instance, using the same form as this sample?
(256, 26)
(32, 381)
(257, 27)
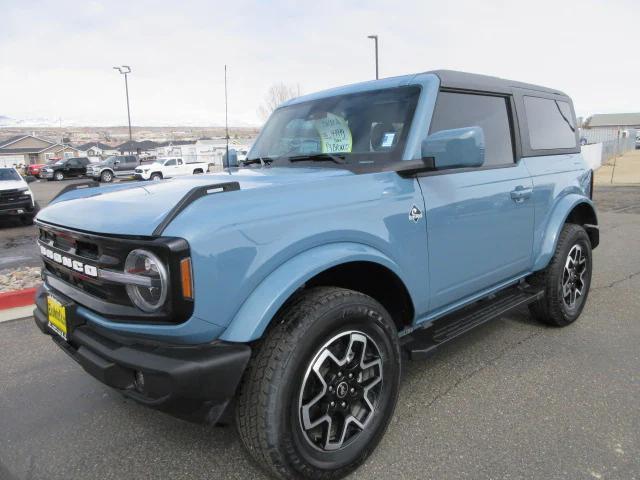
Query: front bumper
(46, 174)
(196, 383)
(19, 207)
(141, 176)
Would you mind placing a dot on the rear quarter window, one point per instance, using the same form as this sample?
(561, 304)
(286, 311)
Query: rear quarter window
(550, 122)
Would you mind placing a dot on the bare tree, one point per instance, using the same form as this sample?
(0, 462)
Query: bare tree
(276, 95)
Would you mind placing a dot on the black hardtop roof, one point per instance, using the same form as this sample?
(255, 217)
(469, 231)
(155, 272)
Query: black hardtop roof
(474, 81)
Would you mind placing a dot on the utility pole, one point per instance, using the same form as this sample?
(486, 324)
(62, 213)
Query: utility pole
(375, 39)
(125, 70)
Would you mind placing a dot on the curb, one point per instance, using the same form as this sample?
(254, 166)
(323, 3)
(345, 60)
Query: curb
(17, 298)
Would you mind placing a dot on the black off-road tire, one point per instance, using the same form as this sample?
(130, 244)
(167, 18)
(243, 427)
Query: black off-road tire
(155, 176)
(267, 411)
(552, 309)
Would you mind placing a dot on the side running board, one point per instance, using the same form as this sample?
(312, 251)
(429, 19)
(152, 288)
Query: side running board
(422, 342)
(191, 196)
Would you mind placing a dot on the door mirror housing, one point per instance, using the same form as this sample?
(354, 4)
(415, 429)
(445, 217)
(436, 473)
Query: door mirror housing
(455, 148)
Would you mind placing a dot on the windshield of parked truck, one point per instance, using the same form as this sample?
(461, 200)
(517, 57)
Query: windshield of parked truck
(361, 127)
(8, 174)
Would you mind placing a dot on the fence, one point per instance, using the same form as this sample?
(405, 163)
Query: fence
(615, 141)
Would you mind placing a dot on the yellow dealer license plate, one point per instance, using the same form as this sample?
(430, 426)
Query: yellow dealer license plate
(57, 316)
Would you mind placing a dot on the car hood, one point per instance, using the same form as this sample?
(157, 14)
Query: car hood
(12, 184)
(137, 208)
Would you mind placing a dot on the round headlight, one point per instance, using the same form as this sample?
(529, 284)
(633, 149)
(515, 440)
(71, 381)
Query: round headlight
(152, 296)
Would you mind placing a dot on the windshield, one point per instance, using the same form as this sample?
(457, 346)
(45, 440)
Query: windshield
(361, 127)
(59, 162)
(8, 174)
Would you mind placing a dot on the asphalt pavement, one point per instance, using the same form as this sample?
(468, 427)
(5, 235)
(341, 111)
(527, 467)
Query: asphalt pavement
(511, 400)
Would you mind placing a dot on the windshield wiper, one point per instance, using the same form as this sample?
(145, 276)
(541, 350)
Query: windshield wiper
(320, 157)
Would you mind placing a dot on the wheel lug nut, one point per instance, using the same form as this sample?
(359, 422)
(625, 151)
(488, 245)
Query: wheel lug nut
(352, 390)
(333, 404)
(339, 374)
(331, 388)
(343, 404)
(351, 375)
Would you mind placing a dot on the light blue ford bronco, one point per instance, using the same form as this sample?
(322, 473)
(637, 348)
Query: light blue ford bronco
(368, 223)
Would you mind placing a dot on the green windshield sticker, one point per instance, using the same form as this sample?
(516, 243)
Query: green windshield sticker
(335, 135)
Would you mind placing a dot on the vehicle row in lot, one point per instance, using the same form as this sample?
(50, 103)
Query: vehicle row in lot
(117, 166)
(16, 198)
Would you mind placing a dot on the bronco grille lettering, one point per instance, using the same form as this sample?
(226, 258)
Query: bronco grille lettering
(68, 262)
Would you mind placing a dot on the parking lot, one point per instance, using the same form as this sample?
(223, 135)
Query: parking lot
(511, 400)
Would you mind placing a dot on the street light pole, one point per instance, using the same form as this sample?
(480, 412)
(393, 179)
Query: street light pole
(375, 39)
(124, 70)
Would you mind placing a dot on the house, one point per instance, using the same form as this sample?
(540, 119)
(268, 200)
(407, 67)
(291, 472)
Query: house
(604, 127)
(29, 149)
(97, 150)
(144, 148)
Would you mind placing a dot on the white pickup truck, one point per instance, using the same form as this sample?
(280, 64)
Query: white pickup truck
(168, 168)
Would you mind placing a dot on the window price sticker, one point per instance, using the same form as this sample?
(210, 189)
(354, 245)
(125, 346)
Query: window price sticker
(335, 135)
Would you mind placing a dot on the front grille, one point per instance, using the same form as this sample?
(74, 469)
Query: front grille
(88, 250)
(109, 252)
(12, 196)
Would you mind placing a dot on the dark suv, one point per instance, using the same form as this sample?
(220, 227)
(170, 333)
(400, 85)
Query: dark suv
(65, 168)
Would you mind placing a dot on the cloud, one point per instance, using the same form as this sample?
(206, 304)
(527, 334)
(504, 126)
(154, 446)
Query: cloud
(58, 56)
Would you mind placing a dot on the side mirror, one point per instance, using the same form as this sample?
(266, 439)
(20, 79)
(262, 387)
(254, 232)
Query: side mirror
(117, 162)
(455, 148)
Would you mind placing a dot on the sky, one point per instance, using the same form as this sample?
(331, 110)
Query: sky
(56, 57)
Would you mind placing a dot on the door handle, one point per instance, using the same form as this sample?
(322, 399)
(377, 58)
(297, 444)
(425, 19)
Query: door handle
(521, 193)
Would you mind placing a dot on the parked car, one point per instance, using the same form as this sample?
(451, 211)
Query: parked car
(117, 166)
(169, 168)
(34, 169)
(368, 222)
(16, 198)
(65, 168)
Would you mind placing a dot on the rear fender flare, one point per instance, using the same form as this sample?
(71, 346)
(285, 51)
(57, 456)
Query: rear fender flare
(263, 303)
(554, 226)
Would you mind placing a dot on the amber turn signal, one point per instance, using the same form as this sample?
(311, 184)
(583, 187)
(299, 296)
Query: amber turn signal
(186, 277)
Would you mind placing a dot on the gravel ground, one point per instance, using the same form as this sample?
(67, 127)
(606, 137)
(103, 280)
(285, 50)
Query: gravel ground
(19, 278)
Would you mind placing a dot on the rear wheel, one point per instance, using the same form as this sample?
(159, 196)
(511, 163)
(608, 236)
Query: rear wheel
(197, 171)
(106, 176)
(322, 386)
(566, 280)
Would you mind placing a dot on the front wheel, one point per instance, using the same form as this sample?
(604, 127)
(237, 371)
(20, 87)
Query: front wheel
(322, 386)
(155, 177)
(566, 280)
(106, 177)
(58, 176)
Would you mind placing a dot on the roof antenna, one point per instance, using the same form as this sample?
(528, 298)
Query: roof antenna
(226, 119)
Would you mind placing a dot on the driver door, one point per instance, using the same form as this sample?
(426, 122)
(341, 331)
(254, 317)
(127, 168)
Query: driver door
(479, 220)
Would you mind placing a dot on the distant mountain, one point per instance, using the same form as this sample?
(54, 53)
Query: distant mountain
(28, 122)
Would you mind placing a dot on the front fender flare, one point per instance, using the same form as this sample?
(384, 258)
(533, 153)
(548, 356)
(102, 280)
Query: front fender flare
(554, 226)
(260, 307)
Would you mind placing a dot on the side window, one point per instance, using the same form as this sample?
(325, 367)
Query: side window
(458, 110)
(73, 163)
(550, 123)
(170, 163)
(179, 161)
